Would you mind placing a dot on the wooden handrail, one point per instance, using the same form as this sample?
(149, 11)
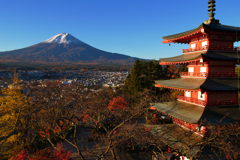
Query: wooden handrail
(228, 48)
(192, 100)
(203, 102)
(203, 74)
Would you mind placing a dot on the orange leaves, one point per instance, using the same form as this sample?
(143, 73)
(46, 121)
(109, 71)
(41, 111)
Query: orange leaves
(54, 127)
(172, 71)
(118, 102)
(84, 119)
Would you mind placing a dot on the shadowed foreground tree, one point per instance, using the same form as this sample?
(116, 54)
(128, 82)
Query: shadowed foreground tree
(110, 113)
(119, 126)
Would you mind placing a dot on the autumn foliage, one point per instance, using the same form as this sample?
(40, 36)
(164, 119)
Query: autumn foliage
(118, 102)
(55, 128)
(46, 154)
(84, 119)
(14, 108)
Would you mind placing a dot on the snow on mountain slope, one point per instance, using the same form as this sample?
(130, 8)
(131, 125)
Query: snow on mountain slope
(64, 48)
(65, 38)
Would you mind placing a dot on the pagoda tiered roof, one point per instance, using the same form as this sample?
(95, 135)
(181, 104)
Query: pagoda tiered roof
(180, 110)
(181, 83)
(194, 114)
(185, 58)
(183, 37)
(222, 55)
(195, 84)
(210, 54)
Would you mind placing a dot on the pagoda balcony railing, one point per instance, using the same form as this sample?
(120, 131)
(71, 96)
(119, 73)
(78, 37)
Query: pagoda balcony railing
(226, 48)
(202, 102)
(225, 74)
(192, 100)
(189, 74)
(195, 49)
(222, 102)
(203, 74)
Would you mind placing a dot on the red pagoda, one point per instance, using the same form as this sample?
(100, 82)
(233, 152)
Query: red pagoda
(211, 85)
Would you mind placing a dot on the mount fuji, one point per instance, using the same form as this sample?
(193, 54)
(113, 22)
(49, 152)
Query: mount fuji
(61, 48)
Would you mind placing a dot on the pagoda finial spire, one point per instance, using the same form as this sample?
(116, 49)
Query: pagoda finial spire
(211, 7)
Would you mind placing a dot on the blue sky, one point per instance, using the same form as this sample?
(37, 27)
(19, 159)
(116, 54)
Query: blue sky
(131, 27)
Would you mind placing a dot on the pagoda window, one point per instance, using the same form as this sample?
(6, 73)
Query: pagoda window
(191, 69)
(193, 45)
(204, 43)
(187, 93)
(201, 96)
(203, 70)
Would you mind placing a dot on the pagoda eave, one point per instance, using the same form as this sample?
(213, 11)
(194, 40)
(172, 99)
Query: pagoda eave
(175, 88)
(179, 110)
(185, 58)
(179, 62)
(184, 39)
(194, 114)
(203, 29)
(216, 55)
(186, 34)
(181, 83)
(212, 84)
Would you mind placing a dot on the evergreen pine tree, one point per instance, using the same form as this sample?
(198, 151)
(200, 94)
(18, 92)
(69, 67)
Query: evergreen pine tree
(133, 83)
(142, 76)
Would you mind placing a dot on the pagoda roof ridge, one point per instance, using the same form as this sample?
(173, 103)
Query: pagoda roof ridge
(223, 27)
(215, 26)
(196, 84)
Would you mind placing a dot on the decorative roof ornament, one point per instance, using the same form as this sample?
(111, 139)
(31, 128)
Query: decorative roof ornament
(211, 9)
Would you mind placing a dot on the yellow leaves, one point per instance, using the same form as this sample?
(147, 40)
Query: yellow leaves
(13, 107)
(13, 138)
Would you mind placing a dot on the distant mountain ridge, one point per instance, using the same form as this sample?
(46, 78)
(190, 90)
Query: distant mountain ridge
(63, 47)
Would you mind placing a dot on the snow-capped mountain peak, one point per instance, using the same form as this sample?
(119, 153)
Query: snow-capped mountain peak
(65, 38)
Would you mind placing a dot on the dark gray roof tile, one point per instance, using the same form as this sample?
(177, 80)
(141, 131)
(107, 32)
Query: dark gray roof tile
(209, 84)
